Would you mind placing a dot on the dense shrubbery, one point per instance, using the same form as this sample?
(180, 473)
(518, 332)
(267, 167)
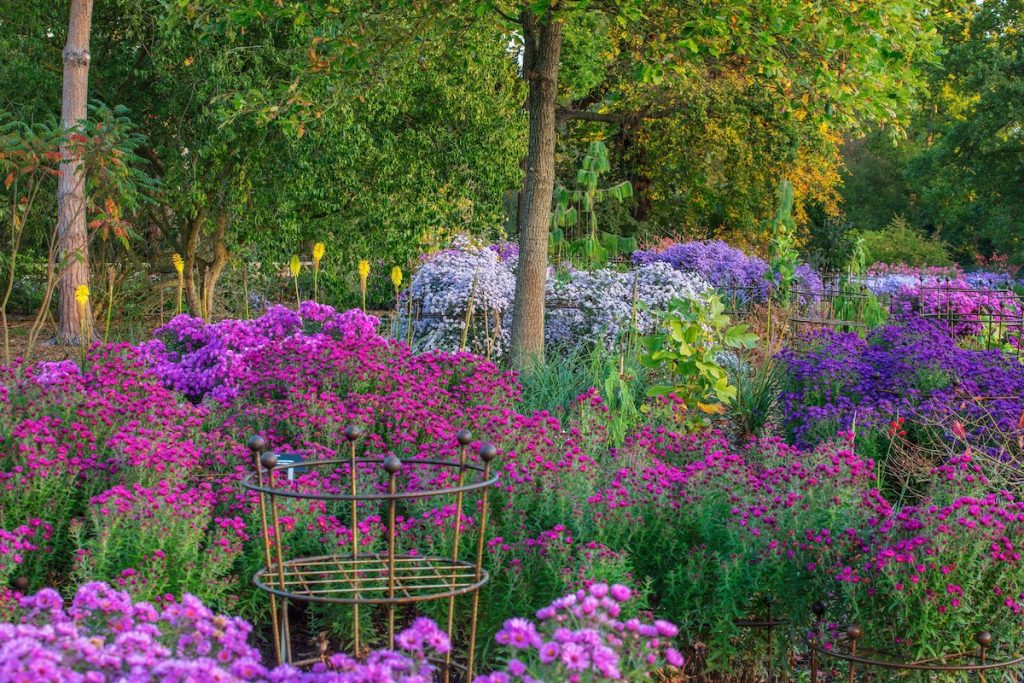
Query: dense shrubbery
(912, 370)
(104, 635)
(898, 242)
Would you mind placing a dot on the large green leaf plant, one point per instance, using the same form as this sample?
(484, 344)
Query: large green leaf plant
(690, 353)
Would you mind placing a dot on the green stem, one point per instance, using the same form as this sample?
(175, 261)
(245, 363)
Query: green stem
(110, 308)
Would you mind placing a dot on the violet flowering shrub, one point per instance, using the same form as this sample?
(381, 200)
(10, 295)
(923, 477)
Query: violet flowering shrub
(605, 304)
(887, 279)
(66, 435)
(463, 281)
(198, 359)
(103, 635)
(929, 576)
(914, 370)
(580, 637)
(741, 278)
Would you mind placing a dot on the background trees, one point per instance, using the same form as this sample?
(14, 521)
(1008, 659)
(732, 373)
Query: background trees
(814, 71)
(381, 128)
(959, 175)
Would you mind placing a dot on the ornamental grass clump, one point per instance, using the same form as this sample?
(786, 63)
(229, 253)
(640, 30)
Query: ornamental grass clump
(580, 637)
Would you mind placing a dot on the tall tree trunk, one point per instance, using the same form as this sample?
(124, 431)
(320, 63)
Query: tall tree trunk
(72, 238)
(543, 41)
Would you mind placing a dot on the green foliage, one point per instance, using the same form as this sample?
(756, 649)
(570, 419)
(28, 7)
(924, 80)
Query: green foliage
(617, 375)
(689, 353)
(830, 242)
(899, 242)
(958, 171)
(782, 250)
(578, 208)
(856, 303)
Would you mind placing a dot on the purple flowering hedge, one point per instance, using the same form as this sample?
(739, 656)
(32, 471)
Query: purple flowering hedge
(913, 370)
(126, 472)
(746, 278)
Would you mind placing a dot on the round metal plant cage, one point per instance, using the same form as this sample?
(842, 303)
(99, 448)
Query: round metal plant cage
(387, 578)
(977, 661)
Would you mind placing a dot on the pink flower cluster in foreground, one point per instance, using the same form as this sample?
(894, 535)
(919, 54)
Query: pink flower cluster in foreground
(579, 637)
(103, 636)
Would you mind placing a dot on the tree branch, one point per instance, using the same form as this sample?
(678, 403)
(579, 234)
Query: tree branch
(569, 114)
(507, 17)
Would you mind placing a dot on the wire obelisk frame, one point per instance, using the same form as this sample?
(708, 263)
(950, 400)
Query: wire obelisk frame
(373, 573)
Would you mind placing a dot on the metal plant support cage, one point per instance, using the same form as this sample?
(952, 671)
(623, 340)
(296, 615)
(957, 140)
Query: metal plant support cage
(388, 578)
(976, 661)
(997, 326)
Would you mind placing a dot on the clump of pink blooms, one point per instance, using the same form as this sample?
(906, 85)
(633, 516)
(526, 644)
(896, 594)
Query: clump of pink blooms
(966, 307)
(580, 637)
(102, 635)
(196, 358)
(950, 562)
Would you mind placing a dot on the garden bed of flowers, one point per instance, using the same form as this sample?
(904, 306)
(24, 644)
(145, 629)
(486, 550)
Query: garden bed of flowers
(124, 469)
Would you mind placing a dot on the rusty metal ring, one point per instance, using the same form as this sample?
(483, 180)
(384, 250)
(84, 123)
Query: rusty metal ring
(249, 482)
(440, 570)
(918, 666)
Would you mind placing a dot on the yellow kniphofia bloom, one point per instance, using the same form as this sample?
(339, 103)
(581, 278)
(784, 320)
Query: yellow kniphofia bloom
(318, 252)
(82, 294)
(179, 264)
(364, 269)
(396, 277)
(295, 265)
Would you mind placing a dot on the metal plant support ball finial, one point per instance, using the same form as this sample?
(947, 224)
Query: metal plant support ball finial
(361, 576)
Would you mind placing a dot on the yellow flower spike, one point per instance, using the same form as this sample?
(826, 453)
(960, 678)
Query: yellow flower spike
(82, 295)
(364, 273)
(318, 253)
(179, 264)
(396, 277)
(295, 266)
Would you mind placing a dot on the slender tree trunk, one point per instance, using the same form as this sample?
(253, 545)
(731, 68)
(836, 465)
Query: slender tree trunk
(633, 151)
(72, 238)
(193, 229)
(543, 40)
(220, 261)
